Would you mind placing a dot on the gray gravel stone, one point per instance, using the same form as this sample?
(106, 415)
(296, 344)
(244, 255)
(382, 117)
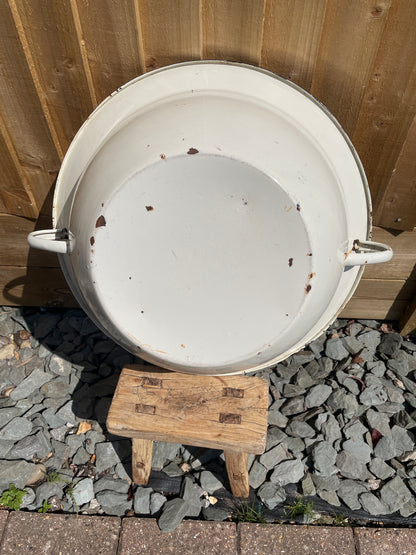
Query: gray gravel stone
(288, 472)
(46, 323)
(83, 491)
(157, 500)
(141, 502)
(308, 487)
(16, 429)
(370, 339)
(326, 482)
(113, 503)
(29, 447)
(380, 469)
(163, 452)
(209, 482)
(81, 457)
(274, 436)
(276, 455)
(257, 474)
(390, 344)
(295, 405)
(317, 395)
(303, 379)
(403, 440)
(359, 449)
(373, 395)
(30, 384)
(173, 513)
(20, 473)
(323, 456)
(354, 430)
(373, 505)
(66, 413)
(8, 414)
(379, 421)
(106, 456)
(301, 429)
(218, 514)
(271, 494)
(190, 493)
(56, 388)
(409, 508)
(112, 484)
(335, 349)
(330, 497)
(59, 366)
(395, 494)
(28, 498)
(377, 368)
(172, 470)
(302, 357)
(351, 467)
(349, 492)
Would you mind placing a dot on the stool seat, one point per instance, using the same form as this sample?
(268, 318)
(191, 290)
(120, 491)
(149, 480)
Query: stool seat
(219, 412)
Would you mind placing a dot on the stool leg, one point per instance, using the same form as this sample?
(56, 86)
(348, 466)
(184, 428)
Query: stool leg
(142, 450)
(236, 464)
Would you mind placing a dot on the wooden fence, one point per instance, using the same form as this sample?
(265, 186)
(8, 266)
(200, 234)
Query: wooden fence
(60, 58)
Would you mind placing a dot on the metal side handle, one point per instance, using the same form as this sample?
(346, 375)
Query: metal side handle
(53, 240)
(367, 252)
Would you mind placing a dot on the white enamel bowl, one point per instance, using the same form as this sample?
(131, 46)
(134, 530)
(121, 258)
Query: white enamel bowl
(207, 215)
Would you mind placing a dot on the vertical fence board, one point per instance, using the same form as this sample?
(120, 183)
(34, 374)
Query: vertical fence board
(291, 33)
(170, 31)
(389, 103)
(398, 207)
(347, 50)
(232, 30)
(23, 117)
(111, 43)
(53, 51)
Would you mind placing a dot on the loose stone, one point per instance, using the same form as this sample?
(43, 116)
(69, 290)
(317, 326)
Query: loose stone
(317, 395)
(257, 474)
(395, 494)
(288, 472)
(157, 500)
(324, 456)
(351, 467)
(141, 502)
(380, 469)
(301, 429)
(271, 494)
(274, 456)
(349, 492)
(209, 482)
(173, 513)
(16, 429)
(372, 504)
(359, 449)
(335, 349)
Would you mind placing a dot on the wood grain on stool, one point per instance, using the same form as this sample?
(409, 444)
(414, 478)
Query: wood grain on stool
(219, 412)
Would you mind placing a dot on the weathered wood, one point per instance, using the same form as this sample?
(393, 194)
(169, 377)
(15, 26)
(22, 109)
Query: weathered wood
(34, 287)
(397, 208)
(387, 289)
(237, 471)
(142, 450)
(155, 404)
(49, 37)
(407, 322)
(170, 31)
(343, 66)
(24, 119)
(232, 30)
(111, 43)
(288, 48)
(388, 106)
(374, 308)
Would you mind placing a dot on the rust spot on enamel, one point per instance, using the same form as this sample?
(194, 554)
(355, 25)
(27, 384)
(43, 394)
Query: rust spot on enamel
(100, 222)
(290, 262)
(308, 288)
(183, 346)
(92, 241)
(149, 208)
(192, 151)
(311, 275)
(163, 156)
(308, 254)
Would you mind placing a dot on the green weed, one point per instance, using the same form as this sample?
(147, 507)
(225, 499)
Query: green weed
(248, 513)
(12, 498)
(45, 507)
(298, 508)
(340, 520)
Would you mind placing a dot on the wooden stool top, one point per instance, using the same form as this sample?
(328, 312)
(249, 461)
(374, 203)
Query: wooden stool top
(220, 412)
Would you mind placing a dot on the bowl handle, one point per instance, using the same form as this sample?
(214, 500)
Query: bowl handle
(54, 240)
(367, 252)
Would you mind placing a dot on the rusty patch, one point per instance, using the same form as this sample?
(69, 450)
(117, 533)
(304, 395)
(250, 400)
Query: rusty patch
(149, 208)
(151, 382)
(290, 262)
(145, 409)
(142, 312)
(259, 353)
(308, 288)
(163, 156)
(229, 418)
(129, 277)
(100, 222)
(102, 205)
(308, 254)
(92, 241)
(192, 151)
(298, 207)
(233, 392)
(244, 201)
(311, 275)
(355, 245)
(183, 346)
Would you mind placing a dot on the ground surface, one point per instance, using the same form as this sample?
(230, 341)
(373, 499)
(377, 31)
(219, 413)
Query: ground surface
(342, 418)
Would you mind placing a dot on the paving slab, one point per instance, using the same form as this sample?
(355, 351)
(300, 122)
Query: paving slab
(63, 534)
(3, 518)
(264, 539)
(143, 536)
(382, 541)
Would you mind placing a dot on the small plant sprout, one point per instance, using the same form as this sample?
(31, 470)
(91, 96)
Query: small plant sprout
(299, 507)
(45, 507)
(12, 498)
(248, 513)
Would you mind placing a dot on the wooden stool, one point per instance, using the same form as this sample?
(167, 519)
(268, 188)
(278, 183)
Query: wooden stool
(220, 412)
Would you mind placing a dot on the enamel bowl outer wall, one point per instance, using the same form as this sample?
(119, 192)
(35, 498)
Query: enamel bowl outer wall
(273, 167)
